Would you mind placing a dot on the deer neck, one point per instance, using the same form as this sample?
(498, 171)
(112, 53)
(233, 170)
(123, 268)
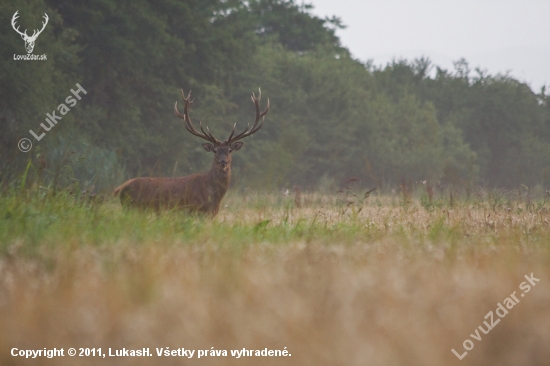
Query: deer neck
(220, 180)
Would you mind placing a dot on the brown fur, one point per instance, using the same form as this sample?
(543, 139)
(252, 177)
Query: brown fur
(197, 193)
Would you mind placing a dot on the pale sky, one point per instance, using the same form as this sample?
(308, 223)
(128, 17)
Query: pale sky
(495, 35)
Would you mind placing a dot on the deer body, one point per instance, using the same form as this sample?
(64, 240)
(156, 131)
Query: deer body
(200, 193)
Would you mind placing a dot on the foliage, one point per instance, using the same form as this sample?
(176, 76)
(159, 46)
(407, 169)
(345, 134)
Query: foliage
(331, 116)
(30, 89)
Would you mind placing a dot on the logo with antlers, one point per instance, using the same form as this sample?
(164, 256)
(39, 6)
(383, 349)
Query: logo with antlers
(29, 41)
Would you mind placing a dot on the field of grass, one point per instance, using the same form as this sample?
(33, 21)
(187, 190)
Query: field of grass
(379, 282)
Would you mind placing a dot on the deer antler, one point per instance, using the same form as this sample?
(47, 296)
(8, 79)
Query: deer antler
(13, 20)
(259, 115)
(187, 121)
(24, 34)
(43, 26)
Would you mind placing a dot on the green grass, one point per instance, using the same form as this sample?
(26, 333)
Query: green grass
(377, 281)
(36, 223)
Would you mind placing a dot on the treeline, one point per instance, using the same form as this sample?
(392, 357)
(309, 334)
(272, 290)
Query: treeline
(332, 117)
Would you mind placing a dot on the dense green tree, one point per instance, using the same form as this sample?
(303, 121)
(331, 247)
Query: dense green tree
(293, 25)
(331, 116)
(30, 89)
(495, 115)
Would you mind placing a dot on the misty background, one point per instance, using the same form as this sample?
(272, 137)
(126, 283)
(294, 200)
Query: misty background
(335, 114)
(506, 36)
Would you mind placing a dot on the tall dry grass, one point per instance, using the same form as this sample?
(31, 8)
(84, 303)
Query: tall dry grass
(380, 283)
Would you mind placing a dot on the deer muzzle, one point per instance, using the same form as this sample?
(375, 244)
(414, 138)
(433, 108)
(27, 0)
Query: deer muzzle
(223, 165)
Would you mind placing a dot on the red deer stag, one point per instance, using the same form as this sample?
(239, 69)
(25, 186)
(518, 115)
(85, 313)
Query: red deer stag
(200, 192)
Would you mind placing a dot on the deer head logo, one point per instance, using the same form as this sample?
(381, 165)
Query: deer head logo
(29, 41)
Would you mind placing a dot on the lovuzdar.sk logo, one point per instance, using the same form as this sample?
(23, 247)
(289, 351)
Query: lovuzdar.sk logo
(29, 40)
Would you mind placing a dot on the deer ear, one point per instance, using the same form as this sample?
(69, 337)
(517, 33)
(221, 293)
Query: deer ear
(208, 147)
(237, 145)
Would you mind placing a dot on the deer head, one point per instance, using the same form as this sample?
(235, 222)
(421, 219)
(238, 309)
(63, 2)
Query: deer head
(29, 41)
(222, 150)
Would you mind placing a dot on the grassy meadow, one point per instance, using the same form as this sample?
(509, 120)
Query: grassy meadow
(336, 279)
